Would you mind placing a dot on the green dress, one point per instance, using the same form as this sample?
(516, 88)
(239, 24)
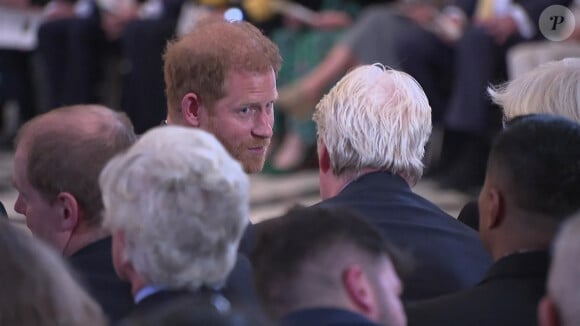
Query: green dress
(302, 50)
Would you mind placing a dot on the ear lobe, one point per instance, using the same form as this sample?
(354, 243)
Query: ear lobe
(190, 105)
(547, 313)
(323, 158)
(69, 211)
(359, 290)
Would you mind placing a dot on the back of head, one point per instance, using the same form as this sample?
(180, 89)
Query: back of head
(552, 88)
(182, 203)
(376, 118)
(67, 149)
(199, 61)
(299, 257)
(537, 159)
(37, 288)
(564, 278)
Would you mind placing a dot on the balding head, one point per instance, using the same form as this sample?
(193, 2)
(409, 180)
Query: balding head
(59, 156)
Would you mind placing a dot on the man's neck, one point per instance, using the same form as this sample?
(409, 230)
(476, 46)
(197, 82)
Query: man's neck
(350, 177)
(137, 282)
(513, 243)
(80, 240)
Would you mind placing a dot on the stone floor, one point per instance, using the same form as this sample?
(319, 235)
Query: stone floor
(270, 195)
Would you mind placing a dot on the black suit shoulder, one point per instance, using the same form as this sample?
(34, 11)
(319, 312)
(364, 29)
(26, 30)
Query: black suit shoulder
(508, 295)
(324, 316)
(448, 256)
(94, 265)
(158, 306)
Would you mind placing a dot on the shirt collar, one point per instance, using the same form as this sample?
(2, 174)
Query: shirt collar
(146, 291)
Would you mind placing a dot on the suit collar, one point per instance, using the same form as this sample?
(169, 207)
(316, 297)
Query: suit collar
(384, 180)
(97, 247)
(519, 265)
(324, 316)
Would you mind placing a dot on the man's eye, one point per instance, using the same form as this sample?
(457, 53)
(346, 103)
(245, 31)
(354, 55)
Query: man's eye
(245, 110)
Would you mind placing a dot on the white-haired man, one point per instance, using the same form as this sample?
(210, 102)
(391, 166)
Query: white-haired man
(560, 305)
(552, 88)
(177, 205)
(372, 130)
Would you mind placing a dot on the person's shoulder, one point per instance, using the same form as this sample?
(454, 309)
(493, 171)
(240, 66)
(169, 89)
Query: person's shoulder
(459, 308)
(324, 316)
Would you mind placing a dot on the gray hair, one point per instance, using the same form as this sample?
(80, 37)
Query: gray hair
(552, 88)
(564, 278)
(182, 202)
(375, 117)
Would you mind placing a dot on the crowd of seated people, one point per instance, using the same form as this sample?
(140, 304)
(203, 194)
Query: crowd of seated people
(455, 49)
(431, 40)
(155, 229)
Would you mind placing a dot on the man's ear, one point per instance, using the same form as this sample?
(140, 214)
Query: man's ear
(548, 313)
(323, 158)
(68, 211)
(190, 105)
(496, 213)
(359, 290)
(122, 266)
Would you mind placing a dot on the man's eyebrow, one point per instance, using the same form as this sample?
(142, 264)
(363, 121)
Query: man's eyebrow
(254, 104)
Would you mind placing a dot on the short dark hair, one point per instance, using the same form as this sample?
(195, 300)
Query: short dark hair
(539, 157)
(285, 243)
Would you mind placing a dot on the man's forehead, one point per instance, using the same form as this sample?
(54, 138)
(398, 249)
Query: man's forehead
(248, 77)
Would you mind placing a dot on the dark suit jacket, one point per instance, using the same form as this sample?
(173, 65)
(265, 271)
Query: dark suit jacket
(239, 286)
(150, 310)
(94, 265)
(508, 295)
(448, 256)
(324, 317)
(163, 297)
(238, 290)
(3, 210)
